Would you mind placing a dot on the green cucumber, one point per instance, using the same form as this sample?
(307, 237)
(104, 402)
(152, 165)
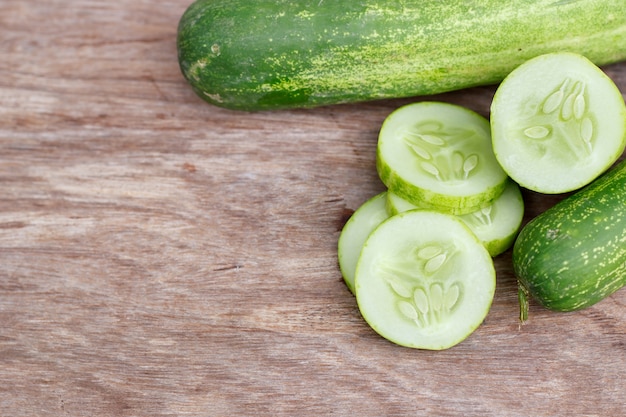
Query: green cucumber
(495, 225)
(439, 154)
(255, 55)
(557, 122)
(574, 254)
(354, 233)
(423, 280)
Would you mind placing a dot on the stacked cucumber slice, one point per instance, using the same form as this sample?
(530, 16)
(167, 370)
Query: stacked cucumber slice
(354, 233)
(495, 224)
(419, 256)
(423, 280)
(439, 155)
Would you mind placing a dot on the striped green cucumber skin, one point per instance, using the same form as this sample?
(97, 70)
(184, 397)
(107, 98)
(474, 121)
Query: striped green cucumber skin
(257, 55)
(574, 254)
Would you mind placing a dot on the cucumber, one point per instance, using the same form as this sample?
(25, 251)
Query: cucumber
(396, 204)
(440, 155)
(255, 55)
(557, 122)
(423, 280)
(354, 233)
(495, 225)
(574, 254)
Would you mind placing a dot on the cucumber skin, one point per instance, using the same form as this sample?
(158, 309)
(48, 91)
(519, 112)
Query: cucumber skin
(261, 55)
(574, 254)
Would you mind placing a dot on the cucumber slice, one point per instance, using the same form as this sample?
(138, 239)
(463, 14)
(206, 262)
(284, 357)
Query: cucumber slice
(397, 204)
(439, 154)
(423, 280)
(557, 122)
(354, 233)
(495, 225)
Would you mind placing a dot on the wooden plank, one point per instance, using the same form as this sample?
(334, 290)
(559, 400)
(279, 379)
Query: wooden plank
(163, 257)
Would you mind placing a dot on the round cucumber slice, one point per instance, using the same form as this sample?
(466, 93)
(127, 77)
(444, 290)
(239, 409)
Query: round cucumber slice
(396, 204)
(557, 122)
(423, 280)
(365, 219)
(495, 225)
(439, 154)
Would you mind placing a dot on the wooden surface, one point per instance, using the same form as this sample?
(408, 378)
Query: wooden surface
(163, 257)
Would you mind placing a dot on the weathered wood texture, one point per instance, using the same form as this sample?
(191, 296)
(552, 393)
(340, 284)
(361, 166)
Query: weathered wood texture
(163, 257)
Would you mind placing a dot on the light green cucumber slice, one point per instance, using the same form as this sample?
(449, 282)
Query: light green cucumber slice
(439, 154)
(397, 204)
(423, 280)
(495, 225)
(558, 121)
(369, 215)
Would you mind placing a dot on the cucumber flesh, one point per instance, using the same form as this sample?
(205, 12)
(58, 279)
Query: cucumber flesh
(495, 225)
(424, 281)
(354, 233)
(396, 204)
(558, 122)
(439, 154)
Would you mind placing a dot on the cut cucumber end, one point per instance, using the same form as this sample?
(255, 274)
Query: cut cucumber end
(439, 154)
(424, 281)
(558, 121)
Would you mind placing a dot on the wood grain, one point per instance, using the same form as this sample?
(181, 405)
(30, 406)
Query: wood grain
(163, 257)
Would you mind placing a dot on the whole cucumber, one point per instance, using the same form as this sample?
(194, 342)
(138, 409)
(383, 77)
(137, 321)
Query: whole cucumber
(270, 54)
(573, 255)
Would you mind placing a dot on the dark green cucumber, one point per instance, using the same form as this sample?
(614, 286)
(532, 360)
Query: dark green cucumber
(574, 254)
(269, 54)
